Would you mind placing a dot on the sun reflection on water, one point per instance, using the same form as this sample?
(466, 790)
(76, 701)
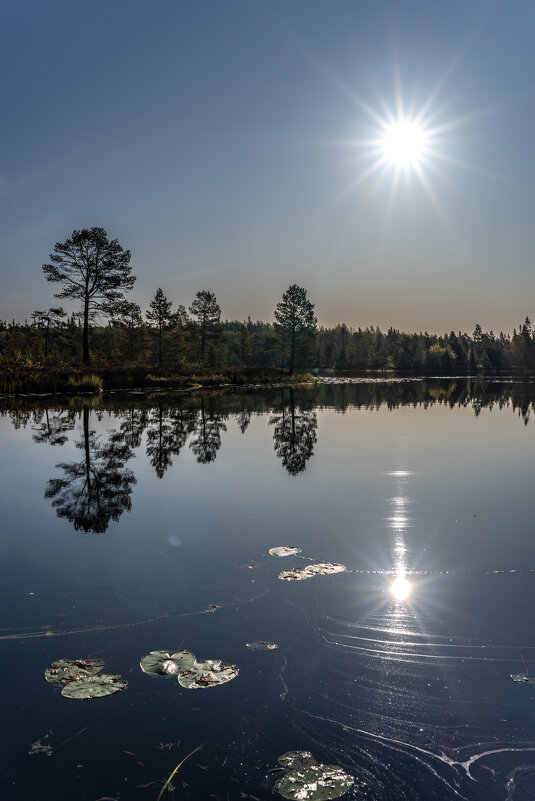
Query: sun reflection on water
(400, 588)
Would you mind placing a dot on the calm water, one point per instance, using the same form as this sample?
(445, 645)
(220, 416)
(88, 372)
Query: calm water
(124, 519)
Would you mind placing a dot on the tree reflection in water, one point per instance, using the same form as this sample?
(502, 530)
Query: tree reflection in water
(208, 428)
(98, 488)
(167, 432)
(294, 433)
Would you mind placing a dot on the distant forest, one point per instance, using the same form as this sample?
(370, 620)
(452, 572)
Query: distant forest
(95, 272)
(178, 342)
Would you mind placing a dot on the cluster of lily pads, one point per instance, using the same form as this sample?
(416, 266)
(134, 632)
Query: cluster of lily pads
(305, 778)
(81, 678)
(190, 673)
(299, 574)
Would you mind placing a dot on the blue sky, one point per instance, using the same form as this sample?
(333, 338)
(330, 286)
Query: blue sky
(227, 145)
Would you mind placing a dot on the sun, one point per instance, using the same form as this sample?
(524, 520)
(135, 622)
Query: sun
(404, 143)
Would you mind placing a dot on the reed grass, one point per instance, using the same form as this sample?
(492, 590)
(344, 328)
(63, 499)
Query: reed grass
(176, 769)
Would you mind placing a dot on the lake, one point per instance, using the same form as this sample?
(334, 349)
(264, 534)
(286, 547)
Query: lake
(138, 522)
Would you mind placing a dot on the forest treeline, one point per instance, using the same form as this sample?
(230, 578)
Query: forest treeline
(94, 272)
(234, 343)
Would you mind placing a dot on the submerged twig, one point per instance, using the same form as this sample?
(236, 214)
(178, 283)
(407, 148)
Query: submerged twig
(177, 767)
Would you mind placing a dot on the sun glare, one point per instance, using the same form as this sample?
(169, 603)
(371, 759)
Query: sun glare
(400, 588)
(403, 143)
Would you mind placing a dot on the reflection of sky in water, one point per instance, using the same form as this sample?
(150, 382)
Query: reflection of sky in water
(408, 693)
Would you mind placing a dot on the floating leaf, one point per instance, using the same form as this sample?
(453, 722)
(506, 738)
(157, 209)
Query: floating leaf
(261, 645)
(207, 674)
(94, 686)
(294, 759)
(319, 569)
(308, 779)
(162, 663)
(190, 674)
(72, 669)
(285, 550)
(523, 678)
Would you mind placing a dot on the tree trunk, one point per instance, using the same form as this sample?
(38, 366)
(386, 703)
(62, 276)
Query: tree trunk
(86, 446)
(292, 351)
(85, 340)
(203, 340)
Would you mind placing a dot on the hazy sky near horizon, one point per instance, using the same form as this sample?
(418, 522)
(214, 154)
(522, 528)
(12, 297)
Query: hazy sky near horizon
(232, 145)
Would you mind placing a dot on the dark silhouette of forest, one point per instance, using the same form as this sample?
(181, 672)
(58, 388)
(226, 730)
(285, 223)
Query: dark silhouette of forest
(98, 487)
(261, 345)
(94, 272)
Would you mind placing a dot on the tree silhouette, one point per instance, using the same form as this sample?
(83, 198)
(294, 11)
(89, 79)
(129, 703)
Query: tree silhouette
(128, 318)
(98, 488)
(44, 319)
(294, 316)
(208, 313)
(167, 433)
(160, 317)
(207, 440)
(294, 434)
(92, 269)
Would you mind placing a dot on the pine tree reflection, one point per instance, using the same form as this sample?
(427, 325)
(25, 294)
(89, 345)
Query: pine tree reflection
(167, 432)
(52, 428)
(243, 418)
(208, 428)
(98, 488)
(294, 433)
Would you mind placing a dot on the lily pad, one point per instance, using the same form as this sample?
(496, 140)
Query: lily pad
(308, 779)
(261, 645)
(209, 673)
(94, 686)
(523, 678)
(319, 569)
(65, 670)
(190, 673)
(294, 759)
(285, 550)
(162, 663)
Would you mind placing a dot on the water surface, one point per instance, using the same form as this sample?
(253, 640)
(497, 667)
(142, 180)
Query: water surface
(137, 522)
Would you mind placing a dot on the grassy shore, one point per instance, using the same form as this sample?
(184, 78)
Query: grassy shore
(17, 378)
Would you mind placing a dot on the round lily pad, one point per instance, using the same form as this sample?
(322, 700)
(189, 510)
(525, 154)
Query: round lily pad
(319, 569)
(94, 686)
(162, 663)
(64, 670)
(261, 645)
(308, 779)
(315, 782)
(209, 673)
(284, 550)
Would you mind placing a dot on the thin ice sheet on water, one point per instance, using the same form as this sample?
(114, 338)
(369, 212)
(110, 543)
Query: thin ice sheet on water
(318, 569)
(285, 550)
(308, 779)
